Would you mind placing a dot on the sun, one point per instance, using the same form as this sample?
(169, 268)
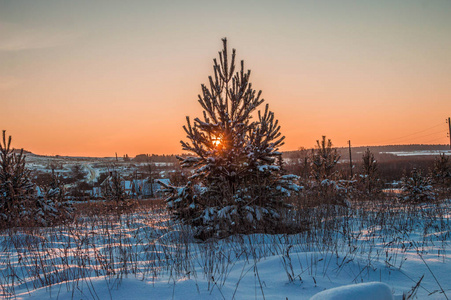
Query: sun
(216, 141)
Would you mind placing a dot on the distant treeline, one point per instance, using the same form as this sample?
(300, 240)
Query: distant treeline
(391, 167)
(356, 152)
(380, 152)
(155, 158)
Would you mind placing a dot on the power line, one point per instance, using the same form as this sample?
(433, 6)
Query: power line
(429, 134)
(405, 138)
(415, 133)
(434, 140)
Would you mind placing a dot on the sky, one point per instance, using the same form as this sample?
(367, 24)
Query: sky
(95, 78)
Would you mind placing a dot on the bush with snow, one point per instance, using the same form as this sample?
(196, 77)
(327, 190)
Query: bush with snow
(417, 188)
(329, 192)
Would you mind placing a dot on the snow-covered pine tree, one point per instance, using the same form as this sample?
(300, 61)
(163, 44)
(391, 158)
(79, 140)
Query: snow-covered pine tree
(416, 188)
(52, 206)
(324, 186)
(368, 176)
(238, 184)
(114, 190)
(19, 204)
(54, 189)
(324, 159)
(441, 174)
(16, 188)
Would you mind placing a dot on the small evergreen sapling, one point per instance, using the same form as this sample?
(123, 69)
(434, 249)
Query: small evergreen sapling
(441, 174)
(369, 175)
(16, 189)
(324, 185)
(19, 203)
(238, 183)
(113, 189)
(417, 188)
(52, 206)
(324, 159)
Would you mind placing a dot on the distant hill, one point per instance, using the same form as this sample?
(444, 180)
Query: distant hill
(386, 152)
(24, 151)
(344, 151)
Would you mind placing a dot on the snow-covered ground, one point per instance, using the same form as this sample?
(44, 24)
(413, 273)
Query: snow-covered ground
(93, 174)
(420, 153)
(63, 165)
(144, 255)
(92, 167)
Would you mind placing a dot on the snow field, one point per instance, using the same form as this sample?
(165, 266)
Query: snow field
(367, 291)
(144, 255)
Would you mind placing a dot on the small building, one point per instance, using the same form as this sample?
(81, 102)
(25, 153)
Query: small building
(97, 192)
(153, 189)
(136, 188)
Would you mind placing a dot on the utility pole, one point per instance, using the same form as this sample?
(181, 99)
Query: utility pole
(350, 156)
(449, 132)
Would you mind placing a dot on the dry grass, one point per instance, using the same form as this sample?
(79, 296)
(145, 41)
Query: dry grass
(143, 242)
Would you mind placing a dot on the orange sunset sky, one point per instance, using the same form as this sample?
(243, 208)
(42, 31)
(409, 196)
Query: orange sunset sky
(91, 78)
